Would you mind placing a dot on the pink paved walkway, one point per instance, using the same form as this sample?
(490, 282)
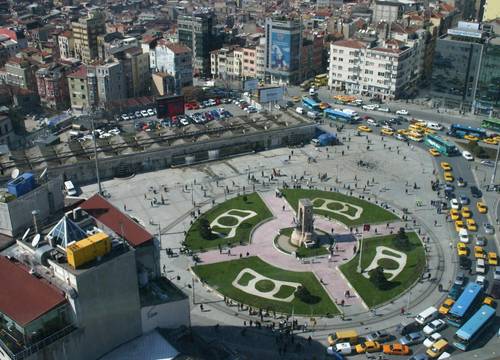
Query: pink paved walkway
(262, 245)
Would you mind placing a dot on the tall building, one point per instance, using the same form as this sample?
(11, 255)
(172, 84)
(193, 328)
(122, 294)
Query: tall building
(66, 45)
(383, 71)
(174, 59)
(136, 69)
(283, 49)
(491, 10)
(198, 33)
(53, 86)
(456, 65)
(85, 32)
(81, 93)
(110, 79)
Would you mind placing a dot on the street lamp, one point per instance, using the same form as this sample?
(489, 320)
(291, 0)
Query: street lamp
(492, 182)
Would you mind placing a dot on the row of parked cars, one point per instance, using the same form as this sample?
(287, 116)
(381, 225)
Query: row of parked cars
(184, 120)
(139, 114)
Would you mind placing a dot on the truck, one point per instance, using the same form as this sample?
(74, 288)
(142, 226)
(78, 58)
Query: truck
(324, 140)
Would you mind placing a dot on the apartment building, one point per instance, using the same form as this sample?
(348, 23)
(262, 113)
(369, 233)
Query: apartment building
(66, 45)
(260, 59)
(136, 69)
(382, 71)
(81, 93)
(85, 33)
(110, 79)
(20, 72)
(53, 87)
(234, 62)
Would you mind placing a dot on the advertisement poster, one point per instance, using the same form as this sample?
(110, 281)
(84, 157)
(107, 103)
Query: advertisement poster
(280, 51)
(168, 106)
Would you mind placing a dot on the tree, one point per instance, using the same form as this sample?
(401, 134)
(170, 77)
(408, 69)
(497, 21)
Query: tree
(245, 198)
(205, 229)
(476, 150)
(377, 277)
(401, 241)
(305, 296)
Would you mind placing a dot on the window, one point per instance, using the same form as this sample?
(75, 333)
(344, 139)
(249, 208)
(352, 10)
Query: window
(82, 87)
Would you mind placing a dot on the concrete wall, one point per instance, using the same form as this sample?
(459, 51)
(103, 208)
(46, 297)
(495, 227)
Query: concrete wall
(147, 256)
(168, 315)
(16, 217)
(84, 171)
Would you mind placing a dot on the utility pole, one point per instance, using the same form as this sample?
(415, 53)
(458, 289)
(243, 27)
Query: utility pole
(95, 153)
(493, 176)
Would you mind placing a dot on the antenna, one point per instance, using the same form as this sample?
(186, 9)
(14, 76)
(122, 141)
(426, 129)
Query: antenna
(14, 174)
(36, 240)
(26, 234)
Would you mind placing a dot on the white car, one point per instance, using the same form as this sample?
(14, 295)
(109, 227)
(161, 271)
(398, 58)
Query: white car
(125, 117)
(384, 109)
(387, 127)
(144, 113)
(454, 204)
(370, 107)
(372, 122)
(464, 236)
(434, 326)
(496, 274)
(480, 269)
(184, 122)
(467, 156)
(480, 279)
(402, 112)
(432, 339)
(151, 112)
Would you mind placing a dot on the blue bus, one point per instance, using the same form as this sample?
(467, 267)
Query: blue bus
(444, 147)
(473, 328)
(338, 115)
(460, 131)
(310, 104)
(465, 304)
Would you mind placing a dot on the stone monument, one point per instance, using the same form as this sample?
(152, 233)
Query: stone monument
(304, 229)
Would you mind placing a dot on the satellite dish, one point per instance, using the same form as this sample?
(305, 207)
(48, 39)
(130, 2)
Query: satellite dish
(36, 240)
(14, 174)
(26, 234)
(44, 172)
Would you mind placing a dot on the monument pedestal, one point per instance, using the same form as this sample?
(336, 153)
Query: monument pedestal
(304, 231)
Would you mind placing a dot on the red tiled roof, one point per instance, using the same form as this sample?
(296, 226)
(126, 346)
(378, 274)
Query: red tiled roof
(80, 73)
(24, 297)
(104, 212)
(355, 44)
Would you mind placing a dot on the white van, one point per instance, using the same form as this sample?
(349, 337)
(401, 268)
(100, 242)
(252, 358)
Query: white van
(434, 125)
(299, 110)
(312, 114)
(70, 188)
(427, 315)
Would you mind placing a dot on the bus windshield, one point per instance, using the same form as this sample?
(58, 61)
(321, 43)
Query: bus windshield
(473, 328)
(444, 147)
(492, 124)
(464, 304)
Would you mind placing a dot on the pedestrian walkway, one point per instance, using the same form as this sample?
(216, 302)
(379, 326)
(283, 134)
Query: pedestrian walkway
(324, 267)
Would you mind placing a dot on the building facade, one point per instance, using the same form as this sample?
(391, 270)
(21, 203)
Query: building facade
(110, 79)
(85, 32)
(53, 86)
(66, 45)
(487, 99)
(136, 69)
(198, 33)
(383, 71)
(491, 10)
(79, 90)
(283, 49)
(456, 66)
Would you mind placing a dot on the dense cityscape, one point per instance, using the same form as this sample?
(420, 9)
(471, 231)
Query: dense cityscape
(208, 179)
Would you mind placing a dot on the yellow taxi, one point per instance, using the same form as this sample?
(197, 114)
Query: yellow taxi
(324, 106)
(492, 258)
(471, 225)
(454, 214)
(415, 127)
(437, 348)
(490, 141)
(364, 128)
(478, 252)
(448, 176)
(471, 138)
(295, 98)
(497, 138)
(462, 249)
(459, 224)
(446, 306)
(434, 152)
(481, 207)
(387, 132)
(466, 212)
(445, 166)
(488, 300)
(428, 131)
(368, 347)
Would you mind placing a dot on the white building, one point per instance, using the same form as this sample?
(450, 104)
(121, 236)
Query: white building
(110, 81)
(382, 70)
(174, 59)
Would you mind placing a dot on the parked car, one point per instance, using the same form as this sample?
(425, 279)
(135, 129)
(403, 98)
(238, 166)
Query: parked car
(402, 112)
(460, 279)
(487, 163)
(432, 339)
(475, 192)
(433, 326)
(396, 349)
(488, 228)
(412, 338)
(481, 280)
(380, 336)
(151, 112)
(144, 113)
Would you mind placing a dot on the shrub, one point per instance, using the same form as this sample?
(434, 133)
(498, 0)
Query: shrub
(245, 198)
(377, 277)
(401, 241)
(305, 296)
(205, 229)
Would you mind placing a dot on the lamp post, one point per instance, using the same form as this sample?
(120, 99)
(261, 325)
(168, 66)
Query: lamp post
(493, 176)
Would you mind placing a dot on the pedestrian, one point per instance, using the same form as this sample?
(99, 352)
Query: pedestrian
(201, 307)
(402, 311)
(124, 207)
(251, 323)
(244, 323)
(283, 207)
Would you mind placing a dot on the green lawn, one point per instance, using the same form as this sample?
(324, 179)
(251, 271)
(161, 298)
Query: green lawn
(371, 295)
(371, 214)
(221, 275)
(196, 242)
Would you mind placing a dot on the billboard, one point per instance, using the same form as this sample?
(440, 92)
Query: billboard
(280, 51)
(250, 85)
(168, 106)
(270, 94)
